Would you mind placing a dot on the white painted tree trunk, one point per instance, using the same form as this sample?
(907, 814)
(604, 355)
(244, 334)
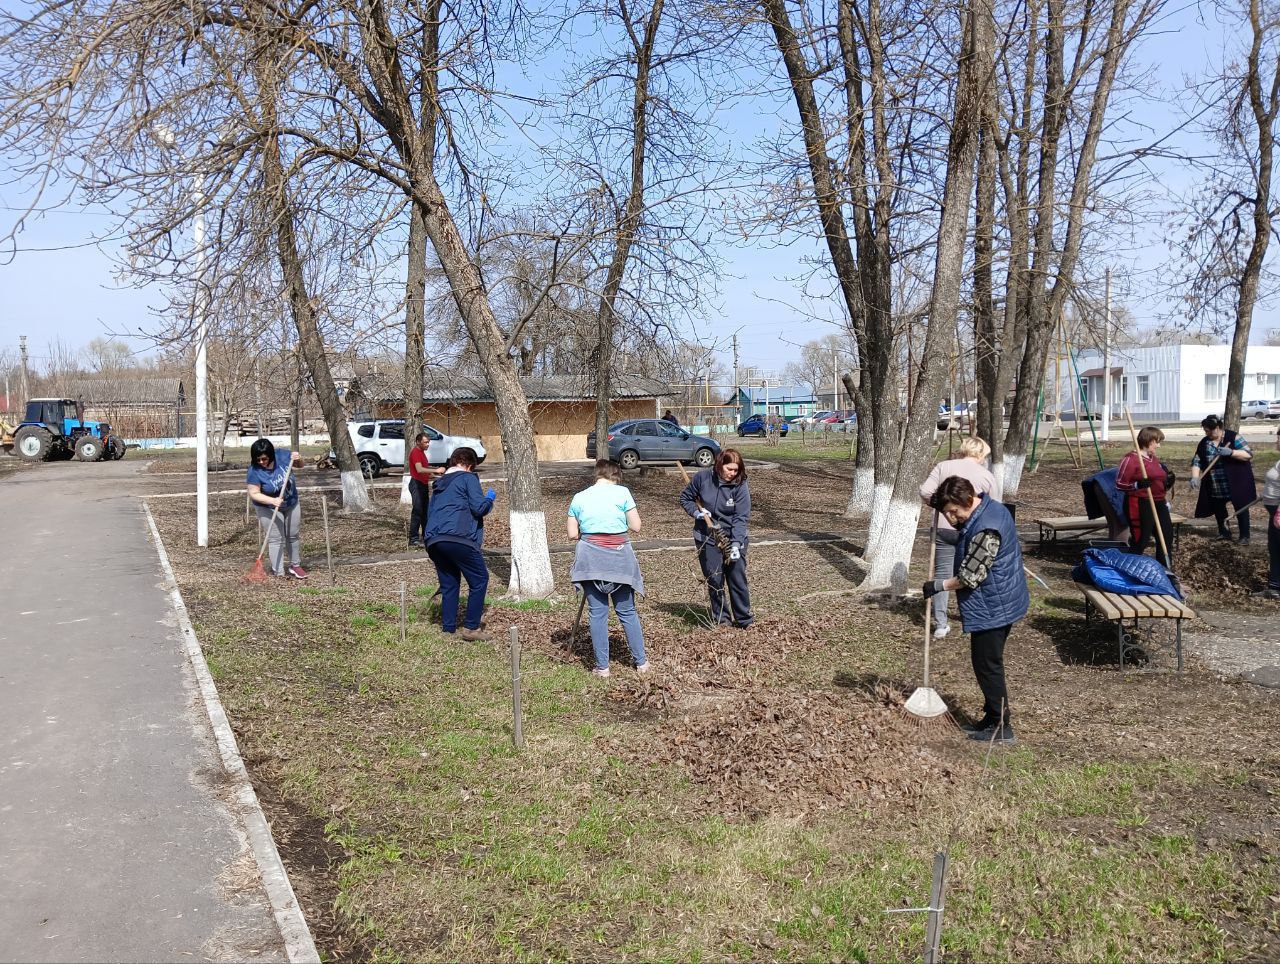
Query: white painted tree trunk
(405, 497)
(997, 470)
(1013, 465)
(879, 514)
(889, 567)
(531, 576)
(355, 492)
(860, 499)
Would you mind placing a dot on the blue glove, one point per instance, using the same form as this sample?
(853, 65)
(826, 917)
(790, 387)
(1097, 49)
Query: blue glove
(1195, 483)
(491, 495)
(1222, 451)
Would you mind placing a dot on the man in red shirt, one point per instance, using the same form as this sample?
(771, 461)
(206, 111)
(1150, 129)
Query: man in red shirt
(1158, 480)
(420, 476)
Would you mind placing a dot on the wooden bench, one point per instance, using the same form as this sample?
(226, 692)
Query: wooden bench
(1114, 608)
(1081, 526)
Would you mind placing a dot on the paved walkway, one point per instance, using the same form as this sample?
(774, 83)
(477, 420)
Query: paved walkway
(115, 843)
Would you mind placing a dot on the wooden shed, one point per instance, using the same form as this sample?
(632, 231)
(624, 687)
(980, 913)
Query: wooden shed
(563, 408)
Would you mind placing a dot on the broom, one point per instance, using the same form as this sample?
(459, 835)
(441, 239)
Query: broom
(257, 573)
(925, 707)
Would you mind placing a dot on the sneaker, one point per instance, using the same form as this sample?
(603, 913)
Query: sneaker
(941, 632)
(473, 635)
(1267, 593)
(983, 724)
(644, 668)
(995, 734)
(415, 543)
(297, 572)
(603, 672)
(1224, 536)
(1244, 540)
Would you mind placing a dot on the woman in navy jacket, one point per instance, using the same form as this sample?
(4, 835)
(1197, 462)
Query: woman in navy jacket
(719, 497)
(454, 534)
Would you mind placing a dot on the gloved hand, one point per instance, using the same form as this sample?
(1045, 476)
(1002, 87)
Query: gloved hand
(1169, 479)
(491, 495)
(1143, 483)
(932, 588)
(1194, 483)
(1221, 451)
(706, 516)
(735, 552)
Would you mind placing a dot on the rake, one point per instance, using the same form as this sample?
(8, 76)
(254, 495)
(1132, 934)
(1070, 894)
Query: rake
(925, 707)
(256, 573)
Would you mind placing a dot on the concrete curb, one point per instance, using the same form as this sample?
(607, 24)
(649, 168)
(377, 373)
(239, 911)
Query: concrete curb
(299, 946)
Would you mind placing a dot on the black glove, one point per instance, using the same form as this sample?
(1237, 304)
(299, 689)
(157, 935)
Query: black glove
(1169, 479)
(932, 588)
(1143, 483)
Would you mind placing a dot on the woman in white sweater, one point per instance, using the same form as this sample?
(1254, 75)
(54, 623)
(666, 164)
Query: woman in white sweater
(972, 465)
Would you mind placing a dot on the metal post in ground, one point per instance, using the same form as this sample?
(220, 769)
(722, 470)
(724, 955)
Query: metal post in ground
(517, 728)
(403, 617)
(328, 548)
(933, 924)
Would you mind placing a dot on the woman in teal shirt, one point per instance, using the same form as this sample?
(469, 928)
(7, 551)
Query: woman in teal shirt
(605, 565)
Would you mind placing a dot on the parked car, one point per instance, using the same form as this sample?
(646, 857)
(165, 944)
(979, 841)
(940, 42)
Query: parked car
(830, 419)
(757, 425)
(1273, 409)
(379, 445)
(1258, 408)
(653, 440)
(847, 415)
(814, 418)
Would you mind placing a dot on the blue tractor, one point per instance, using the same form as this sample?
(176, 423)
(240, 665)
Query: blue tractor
(55, 428)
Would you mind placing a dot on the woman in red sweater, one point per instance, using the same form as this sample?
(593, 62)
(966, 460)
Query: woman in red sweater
(1158, 481)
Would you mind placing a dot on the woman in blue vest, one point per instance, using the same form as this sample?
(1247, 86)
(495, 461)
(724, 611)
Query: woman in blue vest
(454, 534)
(1229, 480)
(990, 589)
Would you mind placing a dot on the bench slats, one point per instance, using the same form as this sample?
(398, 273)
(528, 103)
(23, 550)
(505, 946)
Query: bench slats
(1122, 603)
(1072, 523)
(1168, 604)
(1100, 603)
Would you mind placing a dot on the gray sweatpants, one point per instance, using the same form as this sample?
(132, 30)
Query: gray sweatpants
(944, 568)
(286, 529)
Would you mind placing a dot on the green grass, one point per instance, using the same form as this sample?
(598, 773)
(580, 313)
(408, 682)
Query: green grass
(457, 847)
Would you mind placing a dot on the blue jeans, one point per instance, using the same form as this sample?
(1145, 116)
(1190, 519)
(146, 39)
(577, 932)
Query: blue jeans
(624, 603)
(455, 561)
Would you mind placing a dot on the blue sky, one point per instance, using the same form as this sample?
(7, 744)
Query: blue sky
(60, 285)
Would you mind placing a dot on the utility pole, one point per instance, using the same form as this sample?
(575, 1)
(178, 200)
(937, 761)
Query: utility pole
(22, 349)
(835, 379)
(1106, 361)
(202, 371)
(737, 389)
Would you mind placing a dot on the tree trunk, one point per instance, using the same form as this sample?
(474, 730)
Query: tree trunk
(415, 326)
(864, 465)
(355, 493)
(1263, 108)
(295, 413)
(890, 564)
(629, 223)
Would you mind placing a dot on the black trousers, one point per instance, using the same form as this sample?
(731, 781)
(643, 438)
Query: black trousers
(717, 573)
(987, 651)
(420, 492)
(1273, 548)
(1147, 530)
(1220, 514)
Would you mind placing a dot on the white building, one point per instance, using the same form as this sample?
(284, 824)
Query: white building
(1170, 383)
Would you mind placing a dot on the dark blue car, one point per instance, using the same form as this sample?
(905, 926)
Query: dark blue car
(755, 425)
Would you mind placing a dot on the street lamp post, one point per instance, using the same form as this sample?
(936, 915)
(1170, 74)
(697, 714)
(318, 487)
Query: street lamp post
(166, 137)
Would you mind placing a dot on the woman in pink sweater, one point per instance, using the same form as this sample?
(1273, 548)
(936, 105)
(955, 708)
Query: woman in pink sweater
(972, 465)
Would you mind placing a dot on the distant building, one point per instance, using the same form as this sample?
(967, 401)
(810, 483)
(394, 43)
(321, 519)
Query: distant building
(785, 400)
(136, 405)
(563, 408)
(1171, 383)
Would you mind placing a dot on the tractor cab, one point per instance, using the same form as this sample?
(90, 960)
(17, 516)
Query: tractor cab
(56, 428)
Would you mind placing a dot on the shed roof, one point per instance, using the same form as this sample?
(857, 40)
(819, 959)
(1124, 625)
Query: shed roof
(1097, 372)
(123, 389)
(537, 388)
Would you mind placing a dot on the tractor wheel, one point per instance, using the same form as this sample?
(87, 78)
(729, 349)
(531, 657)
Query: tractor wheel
(89, 448)
(117, 448)
(32, 444)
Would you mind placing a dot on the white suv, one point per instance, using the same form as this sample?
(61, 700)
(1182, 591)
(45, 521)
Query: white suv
(380, 445)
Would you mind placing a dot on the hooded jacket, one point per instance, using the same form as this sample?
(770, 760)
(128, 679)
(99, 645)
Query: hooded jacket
(458, 508)
(728, 502)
